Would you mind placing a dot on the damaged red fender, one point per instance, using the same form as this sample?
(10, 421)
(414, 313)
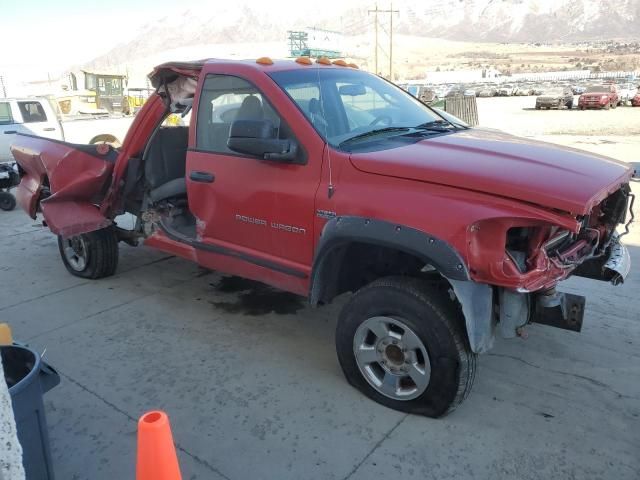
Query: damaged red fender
(67, 182)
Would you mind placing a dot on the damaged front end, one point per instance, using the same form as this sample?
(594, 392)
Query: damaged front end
(520, 281)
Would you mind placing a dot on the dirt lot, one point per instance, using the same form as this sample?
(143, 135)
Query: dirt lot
(251, 382)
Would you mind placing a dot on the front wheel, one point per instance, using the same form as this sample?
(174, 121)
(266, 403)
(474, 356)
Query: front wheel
(90, 255)
(404, 345)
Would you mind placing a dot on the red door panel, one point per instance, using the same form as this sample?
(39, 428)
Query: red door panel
(261, 208)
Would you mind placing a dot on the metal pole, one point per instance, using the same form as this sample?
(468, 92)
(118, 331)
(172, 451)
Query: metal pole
(376, 40)
(391, 43)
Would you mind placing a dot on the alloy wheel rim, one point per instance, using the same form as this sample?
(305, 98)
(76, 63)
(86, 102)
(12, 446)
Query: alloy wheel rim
(75, 252)
(392, 358)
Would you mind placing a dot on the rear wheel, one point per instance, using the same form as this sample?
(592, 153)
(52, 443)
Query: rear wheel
(404, 345)
(7, 201)
(90, 255)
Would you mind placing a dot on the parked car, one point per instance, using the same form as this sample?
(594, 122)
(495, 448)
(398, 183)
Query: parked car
(446, 233)
(599, 96)
(578, 89)
(506, 90)
(537, 90)
(486, 92)
(33, 116)
(558, 97)
(635, 101)
(626, 92)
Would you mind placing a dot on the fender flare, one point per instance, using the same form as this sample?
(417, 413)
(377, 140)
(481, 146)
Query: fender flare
(340, 231)
(476, 299)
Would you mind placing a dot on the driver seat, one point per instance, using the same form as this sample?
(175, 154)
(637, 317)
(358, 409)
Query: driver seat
(165, 164)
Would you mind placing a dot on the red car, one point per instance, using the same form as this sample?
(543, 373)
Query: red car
(599, 96)
(322, 179)
(635, 101)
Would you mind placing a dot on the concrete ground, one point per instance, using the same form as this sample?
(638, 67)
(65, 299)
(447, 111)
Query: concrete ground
(253, 388)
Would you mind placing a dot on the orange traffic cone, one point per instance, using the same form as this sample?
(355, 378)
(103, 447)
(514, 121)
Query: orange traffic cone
(157, 458)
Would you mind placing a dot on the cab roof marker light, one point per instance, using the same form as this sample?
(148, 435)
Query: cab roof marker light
(323, 61)
(353, 65)
(304, 61)
(264, 61)
(340, 63)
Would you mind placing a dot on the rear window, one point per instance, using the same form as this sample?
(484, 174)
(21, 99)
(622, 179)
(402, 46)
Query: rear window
(32, 112)
(5, 114)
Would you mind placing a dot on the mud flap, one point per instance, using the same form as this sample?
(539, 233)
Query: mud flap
(70, 218)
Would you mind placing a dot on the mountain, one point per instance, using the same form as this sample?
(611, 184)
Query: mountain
(246, 22)
(528, 20)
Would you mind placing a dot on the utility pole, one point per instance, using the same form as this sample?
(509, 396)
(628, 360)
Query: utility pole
(391, 42)
(391, 12)
(4, 89)
(376, 41)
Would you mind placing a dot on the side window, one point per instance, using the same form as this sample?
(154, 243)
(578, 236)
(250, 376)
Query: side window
(5, 114)
(32, 112)
(224, 99)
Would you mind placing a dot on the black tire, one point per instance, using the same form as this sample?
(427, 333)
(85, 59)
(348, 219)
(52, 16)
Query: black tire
(100, 249)
(7, 201)
(570, 105)
(438, 323)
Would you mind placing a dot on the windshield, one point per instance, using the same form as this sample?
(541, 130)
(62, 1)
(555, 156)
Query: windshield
(555, 91)
(597, 89)
(345, 103)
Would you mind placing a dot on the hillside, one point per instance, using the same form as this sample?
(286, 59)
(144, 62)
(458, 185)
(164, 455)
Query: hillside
(246, 29)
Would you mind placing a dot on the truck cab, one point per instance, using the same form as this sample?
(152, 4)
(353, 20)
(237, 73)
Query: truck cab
(321, 179)
(33, 115)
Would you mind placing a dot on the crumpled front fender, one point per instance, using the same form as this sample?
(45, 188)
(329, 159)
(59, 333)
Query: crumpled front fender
(66, 182)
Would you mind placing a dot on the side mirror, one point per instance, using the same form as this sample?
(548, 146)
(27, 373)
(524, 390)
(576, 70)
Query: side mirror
(258, 138)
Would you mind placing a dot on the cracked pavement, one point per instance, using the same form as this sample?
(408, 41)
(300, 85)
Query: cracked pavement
(261, 395)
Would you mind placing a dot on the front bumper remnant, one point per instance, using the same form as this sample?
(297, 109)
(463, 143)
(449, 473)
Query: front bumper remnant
(613, 267)
(618, 265)
(560, 310)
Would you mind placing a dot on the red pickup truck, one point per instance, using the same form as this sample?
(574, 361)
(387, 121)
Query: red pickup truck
(599, 96)
(321, 179)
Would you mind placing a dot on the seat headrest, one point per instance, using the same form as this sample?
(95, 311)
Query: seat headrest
(251, 109)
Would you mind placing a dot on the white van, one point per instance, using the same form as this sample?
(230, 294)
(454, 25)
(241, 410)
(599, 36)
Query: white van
(34, 116)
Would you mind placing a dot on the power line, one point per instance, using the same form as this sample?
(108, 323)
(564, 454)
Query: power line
(391, 12)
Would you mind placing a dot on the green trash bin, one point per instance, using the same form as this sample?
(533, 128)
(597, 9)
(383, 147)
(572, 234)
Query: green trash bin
(28, 378)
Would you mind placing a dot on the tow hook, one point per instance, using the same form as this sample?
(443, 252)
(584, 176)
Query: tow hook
(559, 309)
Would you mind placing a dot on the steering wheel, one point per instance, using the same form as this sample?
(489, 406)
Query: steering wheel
(380, 119)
